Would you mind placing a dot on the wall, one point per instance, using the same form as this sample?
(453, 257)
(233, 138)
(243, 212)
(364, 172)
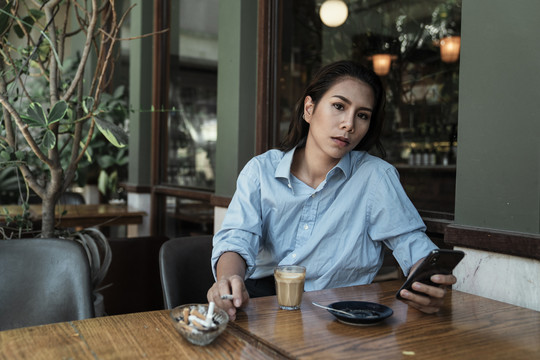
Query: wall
(237, 74)
(498, 174)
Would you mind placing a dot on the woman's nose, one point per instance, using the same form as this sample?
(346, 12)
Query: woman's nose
(348, 123)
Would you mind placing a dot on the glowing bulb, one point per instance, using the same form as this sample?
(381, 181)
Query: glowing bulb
(333, 12)
(450, 48)
(381, 63)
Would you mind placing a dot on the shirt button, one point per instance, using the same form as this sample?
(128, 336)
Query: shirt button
(313, 195)
(294, 256)
(290, 186)
(306, 227)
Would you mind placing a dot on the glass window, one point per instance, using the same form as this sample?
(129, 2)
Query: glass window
(414, 46)
(407, 36)
(187, 147)
(192, 120)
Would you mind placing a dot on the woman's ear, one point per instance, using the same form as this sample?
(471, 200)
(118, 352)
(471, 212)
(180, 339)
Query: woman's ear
(308, 108)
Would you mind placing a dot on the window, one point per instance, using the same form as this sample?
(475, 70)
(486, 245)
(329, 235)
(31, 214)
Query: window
(187, 125)
(422, 82)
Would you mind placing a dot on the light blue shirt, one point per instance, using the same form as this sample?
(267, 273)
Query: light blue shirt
(336, 231)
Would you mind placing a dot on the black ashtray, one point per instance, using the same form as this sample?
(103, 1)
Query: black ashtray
(361, 312)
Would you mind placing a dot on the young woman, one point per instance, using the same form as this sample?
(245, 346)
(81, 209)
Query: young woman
(322, 201)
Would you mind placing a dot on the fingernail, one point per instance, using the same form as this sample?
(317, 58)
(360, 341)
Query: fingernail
(237, 302)
(417, 286)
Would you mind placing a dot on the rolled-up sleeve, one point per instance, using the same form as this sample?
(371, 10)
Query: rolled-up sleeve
(241, 228)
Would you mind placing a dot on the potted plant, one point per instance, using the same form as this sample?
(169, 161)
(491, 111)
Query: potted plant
(51, 102)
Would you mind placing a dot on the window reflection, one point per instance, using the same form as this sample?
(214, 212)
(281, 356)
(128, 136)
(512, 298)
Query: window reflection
(422, 89)
(192, 120)
(192, 127)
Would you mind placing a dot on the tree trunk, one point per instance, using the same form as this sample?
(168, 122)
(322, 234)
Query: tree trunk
(47, 217)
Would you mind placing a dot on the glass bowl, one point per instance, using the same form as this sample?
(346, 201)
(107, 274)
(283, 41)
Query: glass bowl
(199, 336)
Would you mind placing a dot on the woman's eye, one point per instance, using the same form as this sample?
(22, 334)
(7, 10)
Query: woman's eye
(363, 116)
(338, 106)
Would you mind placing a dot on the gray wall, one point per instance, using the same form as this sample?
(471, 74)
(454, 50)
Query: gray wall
(498, 169)
(237, 75)
(140, 94)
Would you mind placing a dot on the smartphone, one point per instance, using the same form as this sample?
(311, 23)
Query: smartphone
(439, 261)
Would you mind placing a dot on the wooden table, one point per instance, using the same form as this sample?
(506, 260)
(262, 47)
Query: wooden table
(84, 215)
(473, 328)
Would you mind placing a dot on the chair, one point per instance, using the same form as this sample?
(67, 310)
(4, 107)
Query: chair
(185, 270)
(71, 198)
(43, 281)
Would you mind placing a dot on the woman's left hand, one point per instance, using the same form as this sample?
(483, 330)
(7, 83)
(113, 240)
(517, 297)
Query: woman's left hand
(432, 297)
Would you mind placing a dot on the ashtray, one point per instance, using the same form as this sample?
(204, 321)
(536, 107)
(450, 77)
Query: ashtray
(184, 322)
(361, 312)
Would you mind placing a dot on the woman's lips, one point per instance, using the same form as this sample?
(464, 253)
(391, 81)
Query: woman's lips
(341, 141)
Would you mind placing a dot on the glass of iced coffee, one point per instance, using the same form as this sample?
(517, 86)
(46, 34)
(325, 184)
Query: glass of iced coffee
(289, 286)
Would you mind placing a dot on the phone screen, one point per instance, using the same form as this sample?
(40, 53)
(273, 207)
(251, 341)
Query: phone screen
(439, 261)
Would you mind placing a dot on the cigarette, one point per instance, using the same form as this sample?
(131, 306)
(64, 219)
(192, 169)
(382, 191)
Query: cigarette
(226, 297)
(210, 313)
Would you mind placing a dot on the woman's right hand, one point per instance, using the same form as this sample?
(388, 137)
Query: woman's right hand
(232, 285)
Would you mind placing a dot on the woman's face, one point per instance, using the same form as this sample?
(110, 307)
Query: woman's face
(340, 120)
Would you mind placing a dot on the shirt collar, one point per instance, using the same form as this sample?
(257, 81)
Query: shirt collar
(283, 169)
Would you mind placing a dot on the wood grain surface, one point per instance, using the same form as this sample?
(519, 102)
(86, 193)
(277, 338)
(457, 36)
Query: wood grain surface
(84, 215)
(148, 335)
(469, 327)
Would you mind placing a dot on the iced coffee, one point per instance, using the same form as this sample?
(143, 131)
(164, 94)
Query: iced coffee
(289, 286)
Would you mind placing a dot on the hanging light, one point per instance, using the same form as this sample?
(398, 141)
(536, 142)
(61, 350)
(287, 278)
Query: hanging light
(333, 13)
(381, 63)
(450, 48)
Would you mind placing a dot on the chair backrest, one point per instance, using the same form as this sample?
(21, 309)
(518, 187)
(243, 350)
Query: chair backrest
(43, 281)
(71, 198)
(185, 270)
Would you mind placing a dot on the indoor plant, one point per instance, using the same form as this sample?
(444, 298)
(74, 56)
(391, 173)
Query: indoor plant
(38, 131)
(50, 96)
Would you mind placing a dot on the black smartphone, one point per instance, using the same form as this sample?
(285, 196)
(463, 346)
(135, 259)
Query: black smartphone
(439, 261)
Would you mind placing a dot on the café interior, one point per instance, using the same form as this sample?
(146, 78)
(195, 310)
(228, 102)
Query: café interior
(460, 125)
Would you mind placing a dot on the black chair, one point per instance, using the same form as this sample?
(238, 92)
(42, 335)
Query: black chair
(43, 281)
(185, 270)
(71, 198)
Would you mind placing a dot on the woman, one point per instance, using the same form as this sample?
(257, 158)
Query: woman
(322, 201)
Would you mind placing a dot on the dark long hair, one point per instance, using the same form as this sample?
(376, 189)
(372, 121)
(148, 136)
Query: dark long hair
(323, 80)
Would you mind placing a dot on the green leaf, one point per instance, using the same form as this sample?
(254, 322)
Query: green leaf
(88, 104)
(37, 115)
(103, 181)
(5, 155)
(58, 112)
(106, 161)
(88, 152)
(37, 14)
(49, 140)
(31, 122)
(118, 92)
(115, 134)
(19, 155)
(4, 18)
(28, 22)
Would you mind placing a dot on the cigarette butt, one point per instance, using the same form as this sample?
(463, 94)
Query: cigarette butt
(198, 314)
(226, 297)
(186, 315)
